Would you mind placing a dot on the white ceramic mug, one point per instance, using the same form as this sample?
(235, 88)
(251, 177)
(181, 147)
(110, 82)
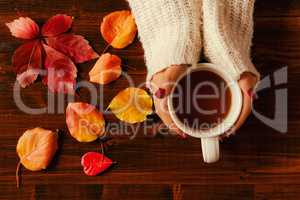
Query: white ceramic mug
(210, 137)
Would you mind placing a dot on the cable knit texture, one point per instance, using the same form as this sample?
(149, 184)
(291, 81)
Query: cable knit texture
(228, 30)
(169, 31)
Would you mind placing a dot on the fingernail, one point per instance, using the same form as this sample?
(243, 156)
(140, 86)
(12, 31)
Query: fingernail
(182, 135)
(160, 93)
(251, 94)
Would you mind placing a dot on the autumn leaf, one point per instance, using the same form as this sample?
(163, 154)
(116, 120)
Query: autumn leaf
(95, 163)
(27, 61)
(28, 58)
(24, 28)
(57, 25)
(106, 69)
(36, 148)
(84, 121)
(61, 71)
(118, 29)
(131, 105)
(74, 46)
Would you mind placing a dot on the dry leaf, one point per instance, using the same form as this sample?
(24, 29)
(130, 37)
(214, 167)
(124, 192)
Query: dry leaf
(94, 163)
(84, 122)
(74, 46)
(131, 105)
(24, 28)
(27, 61)
(61, 71)
(106, 69)
(118, 29)
(57, 25)
(60, 49)
(36, 148)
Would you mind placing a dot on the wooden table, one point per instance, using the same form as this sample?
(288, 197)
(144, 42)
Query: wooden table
(258, 162)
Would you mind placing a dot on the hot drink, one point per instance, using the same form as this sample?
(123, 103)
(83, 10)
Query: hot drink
(202, 100)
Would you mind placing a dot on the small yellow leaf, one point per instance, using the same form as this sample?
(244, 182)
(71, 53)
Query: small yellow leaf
(84, 121)
(118, 29)
(131, 105)
(36, 148)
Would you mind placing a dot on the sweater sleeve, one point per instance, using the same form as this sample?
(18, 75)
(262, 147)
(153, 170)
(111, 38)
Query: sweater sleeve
(169, 31)
(228, 30)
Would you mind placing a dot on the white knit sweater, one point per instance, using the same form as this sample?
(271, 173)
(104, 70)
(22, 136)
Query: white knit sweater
(170, 32)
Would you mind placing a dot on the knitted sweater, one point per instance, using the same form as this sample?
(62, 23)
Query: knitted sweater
(170, 32)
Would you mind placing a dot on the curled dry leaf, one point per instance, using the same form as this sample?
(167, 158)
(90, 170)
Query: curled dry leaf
(36, 148)
(84, 121)
(94, 163)
(107, 69)
(57, 25)
(74, 46)
(61, 71)
(131, 105)
(24, 28)
(27, 61)
(118, 29)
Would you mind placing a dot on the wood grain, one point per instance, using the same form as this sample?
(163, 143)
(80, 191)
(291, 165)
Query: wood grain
(257, 163)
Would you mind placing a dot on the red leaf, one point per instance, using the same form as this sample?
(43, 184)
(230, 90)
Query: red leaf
(24, 28)
(74, 46)
(27, 60)
(61, 71)
(56, 25)
(94, 163)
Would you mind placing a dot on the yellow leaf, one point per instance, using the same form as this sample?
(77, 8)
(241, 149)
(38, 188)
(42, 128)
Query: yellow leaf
(131, 105)
(118, 29)
(84, 121)
(36, 148)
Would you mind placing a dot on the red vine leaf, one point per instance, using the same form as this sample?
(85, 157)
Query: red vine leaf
(24, 28)
(27, 61)
(74, 46)
(61, 71)
(95, 163)
(57, 25)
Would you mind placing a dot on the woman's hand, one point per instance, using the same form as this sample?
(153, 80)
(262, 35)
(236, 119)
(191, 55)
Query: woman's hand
(247, 83)
(161, 86)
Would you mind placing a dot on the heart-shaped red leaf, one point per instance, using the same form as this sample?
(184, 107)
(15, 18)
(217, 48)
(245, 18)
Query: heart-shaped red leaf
(56, 25)
(94, 163)
(24, 28)
(27, 60)
(74, 46)
(61, 71)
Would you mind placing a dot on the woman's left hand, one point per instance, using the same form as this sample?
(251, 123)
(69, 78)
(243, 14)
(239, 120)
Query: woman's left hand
(247, 83)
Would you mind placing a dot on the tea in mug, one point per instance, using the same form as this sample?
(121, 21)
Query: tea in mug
(201, 100)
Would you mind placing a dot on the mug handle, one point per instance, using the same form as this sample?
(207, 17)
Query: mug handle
(210, 149)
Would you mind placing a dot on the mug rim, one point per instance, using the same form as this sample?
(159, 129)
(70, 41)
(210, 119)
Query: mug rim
(233, 114)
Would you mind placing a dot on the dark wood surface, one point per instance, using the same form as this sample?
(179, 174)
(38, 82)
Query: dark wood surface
(257, 163)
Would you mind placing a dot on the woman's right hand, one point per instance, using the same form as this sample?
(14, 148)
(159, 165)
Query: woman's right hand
(161, 86)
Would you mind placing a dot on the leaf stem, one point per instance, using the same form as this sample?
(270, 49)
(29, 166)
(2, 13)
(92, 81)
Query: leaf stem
(105, 49)
(129, 67)
(17, 174)
(102, 152)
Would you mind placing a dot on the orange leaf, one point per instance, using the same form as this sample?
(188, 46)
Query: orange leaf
(84, 121)
(106, 69)
(118, 29)
(36, 148)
